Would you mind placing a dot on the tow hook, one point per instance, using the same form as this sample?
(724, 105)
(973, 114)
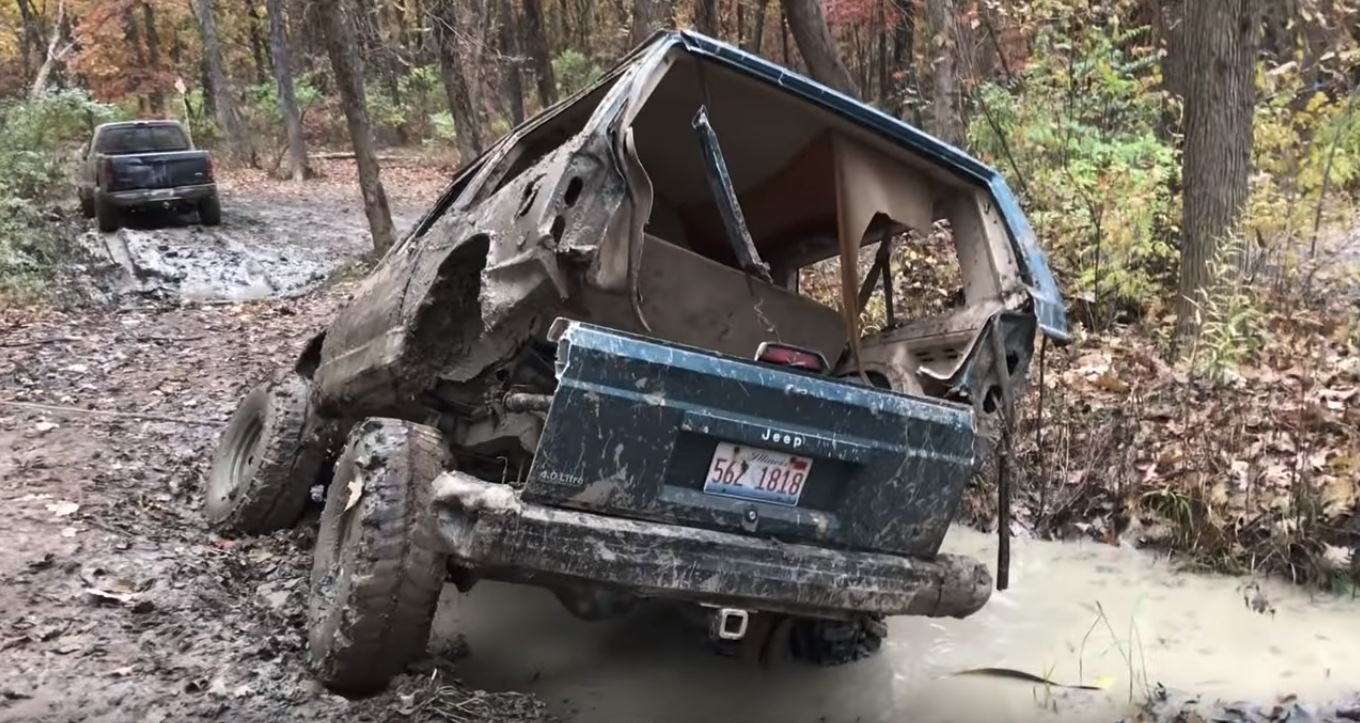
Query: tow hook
(729, 624)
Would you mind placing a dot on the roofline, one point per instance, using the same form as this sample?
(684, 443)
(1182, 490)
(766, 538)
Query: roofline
(1049, 307)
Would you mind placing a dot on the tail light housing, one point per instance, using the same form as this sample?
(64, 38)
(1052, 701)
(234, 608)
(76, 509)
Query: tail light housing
(107, 173)
(787, 355)
(207, 168)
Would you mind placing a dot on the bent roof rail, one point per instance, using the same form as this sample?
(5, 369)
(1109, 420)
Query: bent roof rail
(1043, 289)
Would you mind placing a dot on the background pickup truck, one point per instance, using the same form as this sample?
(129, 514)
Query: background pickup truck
(146, 165)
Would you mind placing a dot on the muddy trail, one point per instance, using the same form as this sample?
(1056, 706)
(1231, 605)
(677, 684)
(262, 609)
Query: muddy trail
(118, 604)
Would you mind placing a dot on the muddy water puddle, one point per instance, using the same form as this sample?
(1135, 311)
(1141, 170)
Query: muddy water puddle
(1078, 613)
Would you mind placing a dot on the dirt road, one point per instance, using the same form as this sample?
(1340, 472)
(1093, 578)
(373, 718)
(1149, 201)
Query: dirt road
(116, 603)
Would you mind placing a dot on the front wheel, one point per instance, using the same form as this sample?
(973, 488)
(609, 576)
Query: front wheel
(265, 463)
(377, 570)
(86, 204)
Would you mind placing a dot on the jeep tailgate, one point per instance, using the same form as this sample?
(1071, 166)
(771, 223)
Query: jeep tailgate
(644, 429)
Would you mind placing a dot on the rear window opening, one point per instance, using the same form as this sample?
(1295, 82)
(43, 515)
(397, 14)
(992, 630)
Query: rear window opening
(804, 177)
(122, 140)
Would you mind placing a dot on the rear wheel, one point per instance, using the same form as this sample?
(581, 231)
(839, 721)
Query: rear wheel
(264, 464)
(837, 642)
(106, 215)
(377, 571)
(210, 211)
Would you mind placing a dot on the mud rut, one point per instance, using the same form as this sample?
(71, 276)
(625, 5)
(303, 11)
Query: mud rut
(116, 603)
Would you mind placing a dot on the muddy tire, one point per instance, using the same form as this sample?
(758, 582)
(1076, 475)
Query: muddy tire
(86, 204)
(377, 570)
(265, 464)
(210, 211)
(106, 216)
(836, 642)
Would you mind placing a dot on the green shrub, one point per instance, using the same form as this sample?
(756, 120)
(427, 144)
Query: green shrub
(39, 144)
(573, 71)
(1080, 125)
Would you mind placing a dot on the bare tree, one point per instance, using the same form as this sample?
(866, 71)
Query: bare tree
(347, 64)
(757, 37)
(283, 76)
(57, 50)
(32, 38)
(946, 98)
(537, 37)
(224, 99)
(461, 106)
(706, 17)
(1220, 100)
(153, 58)
(649, 16)
(508, 39)
(810, 31)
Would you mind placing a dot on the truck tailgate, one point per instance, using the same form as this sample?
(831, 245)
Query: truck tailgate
(159, 170)
(650, 430)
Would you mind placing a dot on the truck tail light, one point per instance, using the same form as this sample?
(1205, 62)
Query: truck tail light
(107, 173)
(791, 356)
(207, 168)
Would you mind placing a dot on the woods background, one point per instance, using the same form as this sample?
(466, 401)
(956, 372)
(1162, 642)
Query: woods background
(1191, 166)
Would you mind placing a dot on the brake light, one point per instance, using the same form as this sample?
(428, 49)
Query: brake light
(207, 168)
(791, 356)
(108, 172)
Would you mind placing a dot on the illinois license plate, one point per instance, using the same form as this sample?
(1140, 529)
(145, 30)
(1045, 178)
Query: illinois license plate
(752, 473)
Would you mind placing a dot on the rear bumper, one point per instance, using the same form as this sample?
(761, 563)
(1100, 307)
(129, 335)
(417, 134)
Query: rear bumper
(490, 530)
(148, 197)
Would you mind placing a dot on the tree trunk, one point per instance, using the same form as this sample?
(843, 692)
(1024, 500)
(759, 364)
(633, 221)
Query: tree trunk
(283, 76)
(810, 32)
(649, 16)
(224, 100)
(136, 75)
(754, 42)
(56, 52)
(153, 58)
(461, 106)
(509, 47)
(539, 52)
(259, 49)
(346, 63)
(946, 98)
(903, 59)
(1220, 99)
(706, 17)
(32, 40)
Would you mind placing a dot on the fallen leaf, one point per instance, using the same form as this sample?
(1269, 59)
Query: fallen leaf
(64, 508)
(356, 490)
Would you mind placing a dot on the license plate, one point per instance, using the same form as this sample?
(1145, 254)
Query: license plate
(166, 194)
(752, 473)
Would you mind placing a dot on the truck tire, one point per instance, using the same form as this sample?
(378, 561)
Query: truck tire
(377, 570)
(106, 215)
(836, 642)
(210, 211)
(86, 204)
(264, 465)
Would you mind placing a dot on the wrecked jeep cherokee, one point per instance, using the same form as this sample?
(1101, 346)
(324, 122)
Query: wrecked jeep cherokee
(590, 368)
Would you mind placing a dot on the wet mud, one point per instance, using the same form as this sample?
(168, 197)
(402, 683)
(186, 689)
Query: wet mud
(1114, 619)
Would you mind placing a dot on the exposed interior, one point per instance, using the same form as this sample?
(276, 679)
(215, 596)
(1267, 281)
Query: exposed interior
(811, 186)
